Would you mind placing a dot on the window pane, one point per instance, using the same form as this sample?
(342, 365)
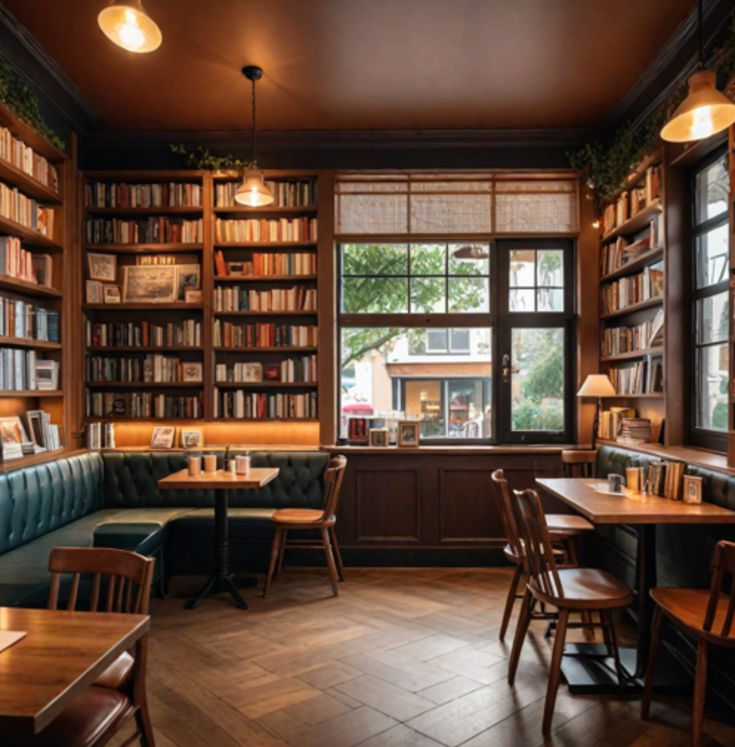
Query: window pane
(459, 340)
(468, 416)
(374, 259)
(712, 185)
(550, 268)
(712, 317)
(436, 341)
(537, 379)
(468, 295)
(712, 256)
(522, 268)
(424, 402)
(712, 377)
(521, 300)
(428, 295)
(469, 259)
(550, 299)
(427, 259)
(375, 295)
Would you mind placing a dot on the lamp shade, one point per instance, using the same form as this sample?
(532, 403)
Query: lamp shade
(596, 385)
(704, 112)
(125, 23)
(253, 191)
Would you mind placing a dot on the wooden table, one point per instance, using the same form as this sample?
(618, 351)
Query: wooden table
(221, 482)
(62, 654)
(643, 512)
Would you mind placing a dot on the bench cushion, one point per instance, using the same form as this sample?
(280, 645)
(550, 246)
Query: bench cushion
(146, 539)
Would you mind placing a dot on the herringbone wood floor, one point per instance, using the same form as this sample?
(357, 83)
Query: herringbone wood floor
(404, 657)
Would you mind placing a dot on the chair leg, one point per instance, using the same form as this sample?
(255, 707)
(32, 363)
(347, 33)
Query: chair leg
(337, 553)
(656, 635)
(281, 553)
(700, 691)
(143, 723)
(606, 619)
(555, 670)
(524, 619)
(330, 560)
(278, 539)
(510, 600)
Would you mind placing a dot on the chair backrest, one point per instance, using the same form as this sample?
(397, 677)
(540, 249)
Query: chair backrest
(539, 554)
(333, 477)
(579, 462)
(502, 501)
(121, 580)
(723, 567)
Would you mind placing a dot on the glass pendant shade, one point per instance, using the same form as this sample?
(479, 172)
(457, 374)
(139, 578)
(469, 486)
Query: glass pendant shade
(125, 23)
(704, 112)
(253, 191)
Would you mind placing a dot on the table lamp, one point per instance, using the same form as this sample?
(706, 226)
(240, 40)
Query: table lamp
(596, 385)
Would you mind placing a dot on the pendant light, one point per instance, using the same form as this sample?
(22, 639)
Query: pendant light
(253, 191)
(705, 111)
(125, 23)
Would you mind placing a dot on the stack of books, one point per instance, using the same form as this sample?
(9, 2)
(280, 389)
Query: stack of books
(635, 430)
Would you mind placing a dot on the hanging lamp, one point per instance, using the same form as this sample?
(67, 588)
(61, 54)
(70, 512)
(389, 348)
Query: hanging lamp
(126, 23)
(705, 111)
(253, 191)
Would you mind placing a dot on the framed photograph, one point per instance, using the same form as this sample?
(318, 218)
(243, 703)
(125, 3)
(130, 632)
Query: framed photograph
(150, 283)
(692, 492)
(93, 291)
(236, 269)
(102, 267)
(378, 437)
(408, 433)
(191, 372)
(357, 431)
(252, 372)
(193, 295)
(13, 437)
(111, 294)
(191, 438)
(272, 372)
(163, 437)
(34, 421)
(189, 279)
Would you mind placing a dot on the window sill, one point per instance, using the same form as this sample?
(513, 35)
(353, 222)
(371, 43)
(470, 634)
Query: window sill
(695, 456)
(459, 449)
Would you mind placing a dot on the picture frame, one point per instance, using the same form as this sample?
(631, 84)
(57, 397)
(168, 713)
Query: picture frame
(111, 294)
(236, 269)
(102, 267)
(408, 432)
(252, 372)
(93, 291)
(192, 372)
(34, 421)
(190, 276)
(150, 283)
(163, 437)
(191, 438)
(692, 489)
(378, 437)
(14, 441)
(357, 431)
(193, 295)
(272, 372)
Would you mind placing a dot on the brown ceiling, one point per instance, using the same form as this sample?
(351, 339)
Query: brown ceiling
(361, 64)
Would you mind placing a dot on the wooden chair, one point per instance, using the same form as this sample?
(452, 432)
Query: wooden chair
(707, 616)
(121, 582)
(579, 462)
(563, 528)
(568, 589)
(324, 520)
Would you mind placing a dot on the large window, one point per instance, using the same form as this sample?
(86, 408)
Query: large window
(710, 312)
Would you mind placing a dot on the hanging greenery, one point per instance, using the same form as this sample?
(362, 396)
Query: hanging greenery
(203, 158)
(23, 102)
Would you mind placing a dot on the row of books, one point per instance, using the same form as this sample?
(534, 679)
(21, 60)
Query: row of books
(264, 335)
(664, 479)
(152, 368)
(633, 200)
(237, 298)
(15, 206)
(26, 320)
(153, 230)
(261, 264)
(24, 158)
(23, 370)
(22, 264)
(142, 405)
(187, 332)
(285, 194)
(31, 433)
(100, 436)
(259, 405)
(608, 426)
(634, 289)
(148, 195)
(263, 229)
(623, 251)
(639, 377)
(292, 370)
(628, 339)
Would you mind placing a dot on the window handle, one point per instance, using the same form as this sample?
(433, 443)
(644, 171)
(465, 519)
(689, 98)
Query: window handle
(507, 368)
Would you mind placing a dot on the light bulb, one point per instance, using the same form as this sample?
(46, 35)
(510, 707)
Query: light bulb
(702, 125)
(129, 33)
(125, 23)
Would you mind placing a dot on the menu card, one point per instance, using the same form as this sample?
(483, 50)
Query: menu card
(9, 637)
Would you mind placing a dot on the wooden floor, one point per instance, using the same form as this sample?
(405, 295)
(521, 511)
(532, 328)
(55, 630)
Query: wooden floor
(404, 657)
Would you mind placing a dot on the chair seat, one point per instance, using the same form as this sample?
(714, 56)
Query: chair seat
(86, 719)
(567, 524)
(116, 675)
(587, 588)
(298, 516)
(687, 608)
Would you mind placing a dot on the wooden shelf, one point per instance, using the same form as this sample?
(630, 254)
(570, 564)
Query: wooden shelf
(28, 235)
(265, 244)
(266, 384)
(40, 458)
(272, 349)
(24, 342)
(144, 349)
(643, 260)
(649, 304)
(654, 395)
(193, 210)
(265, 313)
(242, 210)
(145, 248)
(266, 420)
(143, 385)
(632, 355)
(27, 184)
(142, 419)
(173, 306)
(30, 136)
(25, 286)
(31, 393)
(636, 223)
(265, 279)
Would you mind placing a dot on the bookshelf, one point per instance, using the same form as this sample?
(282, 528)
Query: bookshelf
(36, 185)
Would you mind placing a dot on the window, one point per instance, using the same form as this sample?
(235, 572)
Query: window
(710, 303)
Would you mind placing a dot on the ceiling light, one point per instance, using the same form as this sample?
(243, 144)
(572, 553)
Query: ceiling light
(253, 191)
(125, 23)
(705, 111)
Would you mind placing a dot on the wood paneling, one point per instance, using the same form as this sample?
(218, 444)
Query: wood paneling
(387, 504)
(467, 511)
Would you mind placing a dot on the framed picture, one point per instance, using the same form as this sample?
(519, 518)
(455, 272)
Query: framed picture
(93, 291)
(236, 269)
(252, 372)
(272, 372)
(191, 438)
(163, 437)
(111, 294)
(193, 295)
(189, 279)
(357, 431)
(102, 267)
(191, 371)
(378, 437)
(150, 283)
(408, 433)
(13, 437)
(692, 492)
(34, 421)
